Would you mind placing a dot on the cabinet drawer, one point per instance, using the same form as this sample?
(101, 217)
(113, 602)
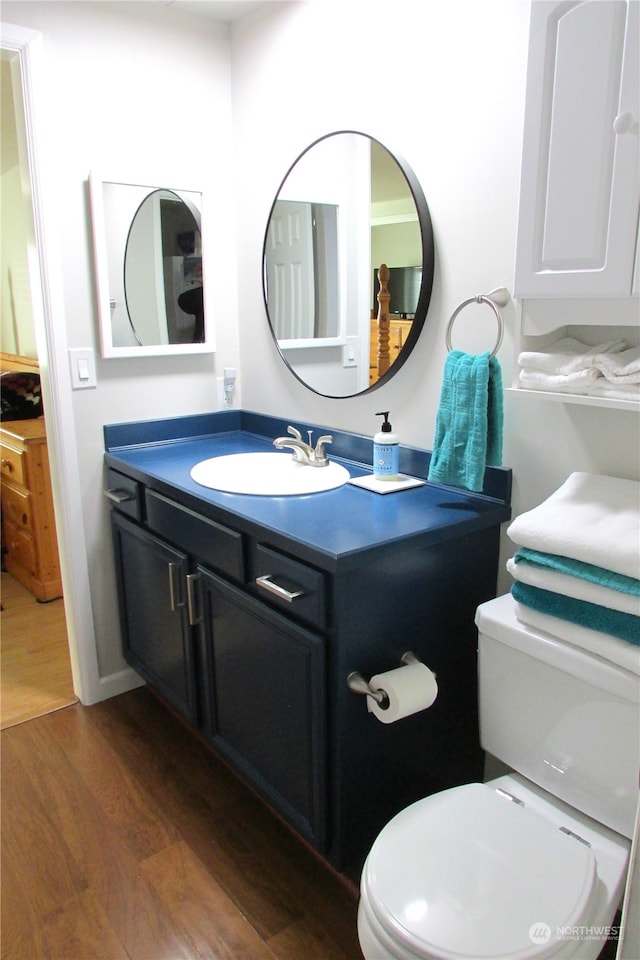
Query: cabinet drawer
(289, 584)
(13, 464)
(124, 494)
(214, 545)
(16, 506)
(20, 547)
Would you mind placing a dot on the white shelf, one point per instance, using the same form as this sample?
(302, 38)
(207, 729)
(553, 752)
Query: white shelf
(609, 404)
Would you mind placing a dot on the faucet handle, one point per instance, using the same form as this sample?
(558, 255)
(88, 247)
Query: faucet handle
(294, 433)
(319, 453)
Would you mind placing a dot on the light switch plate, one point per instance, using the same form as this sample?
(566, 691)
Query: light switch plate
(83, 368)
(351, 352)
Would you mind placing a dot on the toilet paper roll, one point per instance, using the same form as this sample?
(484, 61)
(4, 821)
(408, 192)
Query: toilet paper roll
(410, 689)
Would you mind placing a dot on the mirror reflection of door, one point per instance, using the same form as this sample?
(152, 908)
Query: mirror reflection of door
(290, 270)
(301, 263)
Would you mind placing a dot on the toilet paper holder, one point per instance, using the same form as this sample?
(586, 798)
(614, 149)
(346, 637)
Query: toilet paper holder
(357, 683)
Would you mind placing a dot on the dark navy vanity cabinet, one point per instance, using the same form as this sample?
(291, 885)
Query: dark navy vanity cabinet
(156, 635)
(268, 698)
(360, 579)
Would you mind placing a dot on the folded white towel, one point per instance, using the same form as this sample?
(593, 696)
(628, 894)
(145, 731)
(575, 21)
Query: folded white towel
(624, 654)
(578, 382)
(568, 355)
(614, 391)
(623, 367)
(576, 587)
(592, 518)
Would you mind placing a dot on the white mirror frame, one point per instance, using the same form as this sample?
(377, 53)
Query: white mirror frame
(106, 247)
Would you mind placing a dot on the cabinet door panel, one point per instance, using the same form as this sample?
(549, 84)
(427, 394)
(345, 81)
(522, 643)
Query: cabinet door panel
(155, 631)
(579, 185)
(268, 697)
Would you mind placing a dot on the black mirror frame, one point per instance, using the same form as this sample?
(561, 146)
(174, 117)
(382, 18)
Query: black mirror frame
(428, 266)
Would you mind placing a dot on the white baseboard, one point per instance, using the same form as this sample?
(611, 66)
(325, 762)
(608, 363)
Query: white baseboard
(115, 683)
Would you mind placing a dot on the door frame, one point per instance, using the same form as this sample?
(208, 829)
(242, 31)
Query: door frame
(51, 340)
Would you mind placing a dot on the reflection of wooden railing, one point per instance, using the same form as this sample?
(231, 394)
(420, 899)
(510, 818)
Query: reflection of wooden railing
(388, 334)
(383, 320)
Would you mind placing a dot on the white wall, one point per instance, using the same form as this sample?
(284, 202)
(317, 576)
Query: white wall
(16, 224)
(142, 93)
(16, 332)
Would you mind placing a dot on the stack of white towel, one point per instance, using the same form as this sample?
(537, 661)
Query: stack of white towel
(610, 369)
(577, 569)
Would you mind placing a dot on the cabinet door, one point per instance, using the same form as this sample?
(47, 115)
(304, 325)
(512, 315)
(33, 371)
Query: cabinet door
(267, 681)
(156, 637)
(580, 186)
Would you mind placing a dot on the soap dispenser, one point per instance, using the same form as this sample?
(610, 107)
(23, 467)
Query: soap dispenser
(386, 451)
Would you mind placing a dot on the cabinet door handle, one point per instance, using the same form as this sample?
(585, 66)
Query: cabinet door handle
(173, 593)
(7, 465)
(193, 579)
(266, 583)
(119, 496)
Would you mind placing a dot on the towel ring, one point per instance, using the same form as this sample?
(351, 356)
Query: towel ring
(499, 297)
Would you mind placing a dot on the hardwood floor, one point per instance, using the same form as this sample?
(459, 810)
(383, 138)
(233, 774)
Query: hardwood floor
(35, 670)
(123, 837)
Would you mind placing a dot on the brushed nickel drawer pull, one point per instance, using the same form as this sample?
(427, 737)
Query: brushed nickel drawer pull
(174, 604)
(266, 583)
(119, 496)
(192, 580)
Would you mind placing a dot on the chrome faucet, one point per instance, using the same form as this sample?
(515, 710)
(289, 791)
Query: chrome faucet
(305, 452)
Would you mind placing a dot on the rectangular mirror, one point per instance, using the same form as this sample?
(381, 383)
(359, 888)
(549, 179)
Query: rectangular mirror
(151, 289)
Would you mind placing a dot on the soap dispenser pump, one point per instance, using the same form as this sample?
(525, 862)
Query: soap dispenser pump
(386, 451)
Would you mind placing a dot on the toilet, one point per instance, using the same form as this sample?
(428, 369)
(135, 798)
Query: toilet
(531, 864)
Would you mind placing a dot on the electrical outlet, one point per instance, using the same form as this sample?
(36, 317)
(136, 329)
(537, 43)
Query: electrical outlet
(220, 392)
(230, 375)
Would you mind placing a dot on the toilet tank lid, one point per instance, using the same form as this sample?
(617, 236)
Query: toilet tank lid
(497, 619)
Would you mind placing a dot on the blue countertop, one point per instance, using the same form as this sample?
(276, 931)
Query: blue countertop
(335, 523)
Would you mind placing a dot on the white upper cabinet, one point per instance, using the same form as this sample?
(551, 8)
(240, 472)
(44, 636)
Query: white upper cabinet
(580, 182)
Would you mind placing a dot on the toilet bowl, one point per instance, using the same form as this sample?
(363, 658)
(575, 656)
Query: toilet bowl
(507, 870)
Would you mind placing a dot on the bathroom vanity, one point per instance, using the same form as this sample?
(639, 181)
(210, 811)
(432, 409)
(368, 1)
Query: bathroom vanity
(245, 614)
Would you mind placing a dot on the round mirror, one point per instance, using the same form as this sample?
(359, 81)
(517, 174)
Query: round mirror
(163, 271)
(348, 264)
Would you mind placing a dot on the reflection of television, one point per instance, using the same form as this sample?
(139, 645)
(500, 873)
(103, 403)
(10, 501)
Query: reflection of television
(404, 287)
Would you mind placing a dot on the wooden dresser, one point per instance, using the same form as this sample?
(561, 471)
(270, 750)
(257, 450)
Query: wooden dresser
(29, 537)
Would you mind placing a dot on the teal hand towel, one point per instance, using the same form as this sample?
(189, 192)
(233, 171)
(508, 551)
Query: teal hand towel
(469, 422)
(624, 626)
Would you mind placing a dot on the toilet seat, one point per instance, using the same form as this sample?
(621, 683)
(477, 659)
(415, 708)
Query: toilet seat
(469, 873)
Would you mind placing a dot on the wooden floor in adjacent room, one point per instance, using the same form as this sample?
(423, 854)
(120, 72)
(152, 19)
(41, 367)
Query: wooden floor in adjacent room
(123, 837)
(35, 670)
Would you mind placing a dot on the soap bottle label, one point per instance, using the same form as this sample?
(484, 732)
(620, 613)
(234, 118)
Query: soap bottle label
(386, 458)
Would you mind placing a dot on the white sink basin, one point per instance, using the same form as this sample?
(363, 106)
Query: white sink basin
(267, 475)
